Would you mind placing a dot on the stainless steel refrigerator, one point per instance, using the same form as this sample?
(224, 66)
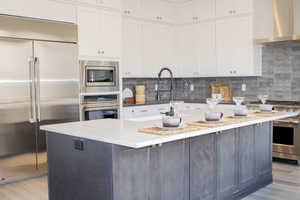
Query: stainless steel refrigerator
(39, 84)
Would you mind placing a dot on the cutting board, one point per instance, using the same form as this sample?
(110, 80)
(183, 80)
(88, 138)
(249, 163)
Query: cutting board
(223, 89)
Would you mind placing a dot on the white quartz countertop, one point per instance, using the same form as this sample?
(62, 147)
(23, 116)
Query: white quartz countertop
(125, 132)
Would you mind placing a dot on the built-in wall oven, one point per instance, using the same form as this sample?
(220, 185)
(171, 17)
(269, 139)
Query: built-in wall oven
(99, 76)
(286, 139)
(100, 107)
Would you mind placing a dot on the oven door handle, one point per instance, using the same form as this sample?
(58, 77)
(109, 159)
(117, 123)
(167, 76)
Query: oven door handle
(101, 108)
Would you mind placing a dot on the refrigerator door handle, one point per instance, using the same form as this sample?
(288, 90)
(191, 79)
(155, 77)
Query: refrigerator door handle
(32, 117)
(37, 86)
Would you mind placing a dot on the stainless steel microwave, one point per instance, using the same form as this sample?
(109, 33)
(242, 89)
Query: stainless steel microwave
(99, 76)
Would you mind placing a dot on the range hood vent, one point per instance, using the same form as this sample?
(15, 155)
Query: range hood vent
(283, 25)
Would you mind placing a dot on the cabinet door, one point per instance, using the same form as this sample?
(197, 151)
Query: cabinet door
(169, 171)
(130, 171)
(88, 1)
(158, 48)
(235, 47)
(206, 49)
(111, 34)
(150, 38)
(186, 50)
(246, 157)
(233, 7)
(111, 3)
(227, 162)
(243, 7)
(225, 7)
(131, 7)
(157, 10)
(203, 172)
(89, 22)
(263, 149)
(132, 48)
(203, 9)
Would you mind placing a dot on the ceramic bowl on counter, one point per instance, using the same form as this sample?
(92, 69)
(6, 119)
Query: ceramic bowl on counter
(213, 116)
(241, 112)
(266, 108)
(171, 121)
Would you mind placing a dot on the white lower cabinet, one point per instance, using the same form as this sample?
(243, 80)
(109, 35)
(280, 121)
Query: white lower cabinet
(235, 47)
(144, 111)
(99, 33)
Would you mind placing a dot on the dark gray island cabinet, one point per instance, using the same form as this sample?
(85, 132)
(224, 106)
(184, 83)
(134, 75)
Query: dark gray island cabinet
(224, 165)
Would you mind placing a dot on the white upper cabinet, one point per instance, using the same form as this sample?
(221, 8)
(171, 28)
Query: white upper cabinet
(131, 7)
(105, 3)
(195, 10)
(233, 7)
(99, 33)
(197, 50)
(132, 48)
(206, 49)
(89, 29)
(111, 34)
(158, 48)
(157, 10)
(40, 9)
(235, 47)
(110, 3)
(186, 58)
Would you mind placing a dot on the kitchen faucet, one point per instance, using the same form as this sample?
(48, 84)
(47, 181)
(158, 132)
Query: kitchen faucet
(171, 90)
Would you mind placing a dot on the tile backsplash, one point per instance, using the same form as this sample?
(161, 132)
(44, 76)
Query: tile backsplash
(280, 78)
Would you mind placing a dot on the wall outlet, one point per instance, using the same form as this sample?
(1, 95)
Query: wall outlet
(192, 88)
(244, 87)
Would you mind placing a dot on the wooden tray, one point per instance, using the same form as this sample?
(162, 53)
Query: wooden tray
(225, 121)
(212, 124)
(161, 131)
(267, 114)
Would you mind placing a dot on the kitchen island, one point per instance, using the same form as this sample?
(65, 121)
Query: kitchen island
(112, 160)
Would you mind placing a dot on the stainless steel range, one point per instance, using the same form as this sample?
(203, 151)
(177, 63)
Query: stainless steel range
(286, 132)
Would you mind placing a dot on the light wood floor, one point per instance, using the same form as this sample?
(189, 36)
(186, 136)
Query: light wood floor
(286, 186)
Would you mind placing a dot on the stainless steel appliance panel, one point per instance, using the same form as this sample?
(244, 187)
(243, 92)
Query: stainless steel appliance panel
(15, 99)
(99, 76)
(58, 82)
(17, 108)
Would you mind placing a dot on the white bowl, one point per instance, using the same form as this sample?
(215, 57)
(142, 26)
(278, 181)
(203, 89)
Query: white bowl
(241, 112)
(266, 108)
(213, 116)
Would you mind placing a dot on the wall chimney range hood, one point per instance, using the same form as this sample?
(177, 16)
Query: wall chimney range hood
(280, 21)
